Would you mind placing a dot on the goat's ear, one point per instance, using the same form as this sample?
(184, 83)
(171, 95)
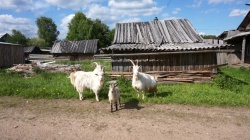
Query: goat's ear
(115, 84)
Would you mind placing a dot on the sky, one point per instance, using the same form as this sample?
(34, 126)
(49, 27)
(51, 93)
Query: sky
(208, 17)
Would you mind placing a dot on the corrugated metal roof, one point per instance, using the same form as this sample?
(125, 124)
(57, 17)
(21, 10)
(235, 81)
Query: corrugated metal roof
(156, 32)
(243, 25)
(28, 49)
(168, 35)
(165, 47)
(83, 46)
(237, 35)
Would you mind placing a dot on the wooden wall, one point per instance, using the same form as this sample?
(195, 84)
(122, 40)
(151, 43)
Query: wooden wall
(11, 54)
(166, 62)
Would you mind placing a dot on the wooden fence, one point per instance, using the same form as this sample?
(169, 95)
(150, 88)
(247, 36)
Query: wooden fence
(171, 76)
(11, 54)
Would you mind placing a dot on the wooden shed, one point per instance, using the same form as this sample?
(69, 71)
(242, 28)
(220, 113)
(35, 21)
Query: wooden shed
(169, 45)
(31, 50)
(240, 38)
(11, 54)
(75, 50)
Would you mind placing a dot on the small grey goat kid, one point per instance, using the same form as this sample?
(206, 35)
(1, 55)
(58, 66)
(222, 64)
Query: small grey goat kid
(114, 96)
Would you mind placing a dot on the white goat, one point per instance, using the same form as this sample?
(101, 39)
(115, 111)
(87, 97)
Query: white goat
(74, 74)
(143, 82)
(91, 80)
(114, 96)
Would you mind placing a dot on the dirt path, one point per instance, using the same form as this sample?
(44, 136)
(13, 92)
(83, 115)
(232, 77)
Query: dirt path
(73, 119)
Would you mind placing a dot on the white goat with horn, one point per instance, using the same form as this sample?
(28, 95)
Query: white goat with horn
(143, 82)
(74, 74)
(91, 80)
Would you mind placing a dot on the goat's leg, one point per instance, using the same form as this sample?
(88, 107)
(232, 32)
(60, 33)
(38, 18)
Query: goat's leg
(111, 106)
(116, 108)
(142, 95)
(80, 96)
(138, 94)
(80, 90)
(96, 96)
(120, 102)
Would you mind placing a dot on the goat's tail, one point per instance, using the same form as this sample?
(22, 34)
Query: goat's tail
(156, 77)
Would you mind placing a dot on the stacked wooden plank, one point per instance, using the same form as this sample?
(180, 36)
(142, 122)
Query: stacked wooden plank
(172, 76)
(29, 68)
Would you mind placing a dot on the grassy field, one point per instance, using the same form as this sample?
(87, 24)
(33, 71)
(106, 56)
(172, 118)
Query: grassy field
(229, 88)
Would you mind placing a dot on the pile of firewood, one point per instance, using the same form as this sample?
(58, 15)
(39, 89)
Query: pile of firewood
(172, 76)
(29, 68)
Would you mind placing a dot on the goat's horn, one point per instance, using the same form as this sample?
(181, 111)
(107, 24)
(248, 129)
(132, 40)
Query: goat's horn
(137, 61)
(96, 63)
(132, 62)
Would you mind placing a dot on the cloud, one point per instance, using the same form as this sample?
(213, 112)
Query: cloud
(130, 20)
(202, 33)
(176, 10)
(101, 12)
(119, 10)
(8, 23)
(220, 1)
(24, 5)
(64, 26)
(196, 3)
(211, 11)
(238, 12)
(133, 8)
(72, 4)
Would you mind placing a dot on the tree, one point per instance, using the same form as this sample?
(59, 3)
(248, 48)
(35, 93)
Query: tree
(47, 30)
(101, 31)
(83, 28)
(17, 37)
(38, 42)
(208, 36)
(111, 35)
(80, 28)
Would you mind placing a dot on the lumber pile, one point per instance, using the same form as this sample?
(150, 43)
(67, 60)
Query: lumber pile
(29, 68)
(172, 76)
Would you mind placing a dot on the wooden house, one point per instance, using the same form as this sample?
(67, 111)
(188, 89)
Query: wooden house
(4, 37)
(240, 38)
(169, 45)
(75, 50)
(31, 50)
(11, 54)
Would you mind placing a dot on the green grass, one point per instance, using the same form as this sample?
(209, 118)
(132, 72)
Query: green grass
(88, 65)
(231, 87)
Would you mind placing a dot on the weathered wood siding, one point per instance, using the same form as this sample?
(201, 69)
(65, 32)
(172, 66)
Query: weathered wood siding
(11, 54)
(166, 62)
(228, 58)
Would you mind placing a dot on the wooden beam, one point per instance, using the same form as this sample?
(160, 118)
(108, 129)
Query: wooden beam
(243, 50)
(176, 52)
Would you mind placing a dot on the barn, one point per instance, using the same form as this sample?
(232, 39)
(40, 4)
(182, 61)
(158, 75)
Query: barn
(75, 50)
(11, 54)
(240, 38)
(168, 45)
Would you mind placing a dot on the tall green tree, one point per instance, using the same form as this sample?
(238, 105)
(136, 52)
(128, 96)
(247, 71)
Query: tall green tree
(101, 31)
(17, 37)
(38, 42)
(80, 28)
(83, 28)
(208, 36)
(47, 30)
